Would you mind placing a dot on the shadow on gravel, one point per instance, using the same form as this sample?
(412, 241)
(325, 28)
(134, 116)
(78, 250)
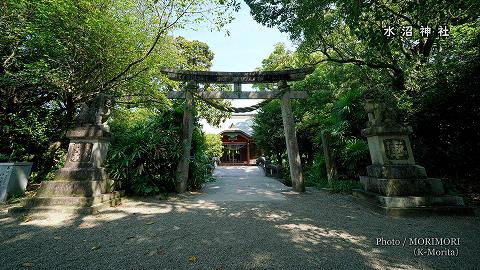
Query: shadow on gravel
(320, 231)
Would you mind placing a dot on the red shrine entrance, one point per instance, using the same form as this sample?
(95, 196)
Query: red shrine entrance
(238, 147)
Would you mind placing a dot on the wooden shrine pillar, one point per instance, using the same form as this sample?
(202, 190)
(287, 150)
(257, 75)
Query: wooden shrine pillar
(291, 139)
(187, 130)
(248, 153)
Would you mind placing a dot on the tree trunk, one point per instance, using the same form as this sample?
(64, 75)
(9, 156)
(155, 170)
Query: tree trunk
(291, 141)
(329, 155)
(70, 107)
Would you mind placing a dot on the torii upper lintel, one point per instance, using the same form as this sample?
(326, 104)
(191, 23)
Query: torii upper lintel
(238, 77)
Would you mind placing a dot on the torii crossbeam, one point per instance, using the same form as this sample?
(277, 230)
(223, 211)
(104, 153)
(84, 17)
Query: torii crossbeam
(237, 77)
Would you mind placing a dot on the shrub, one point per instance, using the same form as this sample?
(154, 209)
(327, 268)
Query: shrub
(354, 157)
(316, 175)
(35, 135)
(214, 145)
(316, 172)
(146, 148)
(144, 153)
(200, 166)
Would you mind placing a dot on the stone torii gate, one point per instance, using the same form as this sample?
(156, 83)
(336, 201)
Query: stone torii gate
(193, 78)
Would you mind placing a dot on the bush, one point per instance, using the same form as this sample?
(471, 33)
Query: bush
(316, 175)
(316, 172)
(200, 166)
(354, 157)
(35, 135)
(146, 148)
(214, 145)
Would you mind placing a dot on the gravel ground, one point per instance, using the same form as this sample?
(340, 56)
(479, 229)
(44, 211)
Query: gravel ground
(271, 229)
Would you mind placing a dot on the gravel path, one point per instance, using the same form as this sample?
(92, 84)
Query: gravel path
(241, 221)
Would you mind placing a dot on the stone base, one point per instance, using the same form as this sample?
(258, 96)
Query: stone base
(397, 171)
(81, 174)
(402, 187)
(41, 206)
(82, 185)
(397, 206)
(71, 188)
(69, 197)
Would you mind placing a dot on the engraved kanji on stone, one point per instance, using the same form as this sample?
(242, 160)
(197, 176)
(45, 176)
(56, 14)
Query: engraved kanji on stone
(81, 152)
(395, 149)
(5, 172)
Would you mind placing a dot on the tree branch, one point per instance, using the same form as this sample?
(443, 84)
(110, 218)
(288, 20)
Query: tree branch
(394, 71)
(160, 32)
(133, 76)
(408, 19)
(137, 61)
(354, 61)
(11, 56)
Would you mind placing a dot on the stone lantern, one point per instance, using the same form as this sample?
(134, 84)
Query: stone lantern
(82, 185)
(394, 184)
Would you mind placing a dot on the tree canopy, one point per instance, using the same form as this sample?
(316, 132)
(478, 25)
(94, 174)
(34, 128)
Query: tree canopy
(431, 79)
(54, 55)
(353, 31)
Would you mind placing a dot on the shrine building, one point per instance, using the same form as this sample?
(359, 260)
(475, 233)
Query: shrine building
(238, 147)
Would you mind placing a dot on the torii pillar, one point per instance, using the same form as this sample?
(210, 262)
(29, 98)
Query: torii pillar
(187, 131)
(291, 139)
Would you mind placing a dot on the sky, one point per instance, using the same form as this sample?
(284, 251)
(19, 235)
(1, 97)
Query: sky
(243, 50)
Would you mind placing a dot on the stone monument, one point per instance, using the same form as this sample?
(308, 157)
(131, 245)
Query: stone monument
(82, 185)
(13, 178)
(394, 184)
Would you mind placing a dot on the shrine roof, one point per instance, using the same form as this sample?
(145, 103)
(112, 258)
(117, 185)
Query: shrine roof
(234, 129)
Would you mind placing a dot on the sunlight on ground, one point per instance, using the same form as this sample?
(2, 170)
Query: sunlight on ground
(261, 260)
(295, 230)
(201, 204)
(306, 234)
(127, 208)
(303, 233)
(279, 216)
(54, 220)
(18, 237)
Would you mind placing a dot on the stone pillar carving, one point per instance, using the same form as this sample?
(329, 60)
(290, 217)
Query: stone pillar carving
(393, 171)
(82, 185)
(86, 154)
(88, 142)
(394, 182)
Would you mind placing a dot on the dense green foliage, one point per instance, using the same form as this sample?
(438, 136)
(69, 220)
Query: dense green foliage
(432, 80)
(353, 31)
(333, 104)
(214, 145)
(54, 55)
(144, 155)
(446, 111)
(268, 130)
(201, 168)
